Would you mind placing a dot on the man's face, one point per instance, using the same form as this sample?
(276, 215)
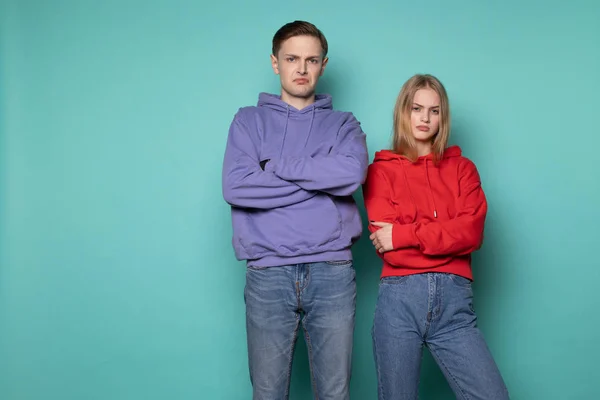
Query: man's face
(299, 65)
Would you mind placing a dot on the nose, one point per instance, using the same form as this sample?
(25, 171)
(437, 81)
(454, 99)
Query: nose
(302, 69)
(425, 116)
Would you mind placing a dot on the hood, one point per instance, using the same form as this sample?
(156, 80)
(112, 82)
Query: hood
(274, 102)
(422, 162)
(388, 155)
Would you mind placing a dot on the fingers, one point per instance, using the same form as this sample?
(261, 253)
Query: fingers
(378, 246)
(374, 237)
(375, 241)
(379, 224)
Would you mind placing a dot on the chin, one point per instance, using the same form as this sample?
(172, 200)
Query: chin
(302, 93)
(422, 136)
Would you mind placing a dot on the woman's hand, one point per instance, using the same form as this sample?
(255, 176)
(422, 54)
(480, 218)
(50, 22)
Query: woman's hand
(382, 238)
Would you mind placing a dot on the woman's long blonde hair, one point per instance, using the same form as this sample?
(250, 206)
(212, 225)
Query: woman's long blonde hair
(404, 142)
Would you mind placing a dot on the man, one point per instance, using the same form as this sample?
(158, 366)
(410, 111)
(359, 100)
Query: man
(290, 168)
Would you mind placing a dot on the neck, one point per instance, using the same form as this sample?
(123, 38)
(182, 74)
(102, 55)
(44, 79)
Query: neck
(297, 102)
(423, 148)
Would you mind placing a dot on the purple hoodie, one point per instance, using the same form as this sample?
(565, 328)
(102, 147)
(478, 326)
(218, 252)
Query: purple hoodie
(299, 209)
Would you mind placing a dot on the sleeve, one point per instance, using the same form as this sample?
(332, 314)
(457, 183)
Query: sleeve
(379, 207)
(458, 236)
(244, 183)
(339, 173)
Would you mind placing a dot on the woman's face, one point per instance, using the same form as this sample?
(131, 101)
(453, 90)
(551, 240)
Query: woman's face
(425, 115)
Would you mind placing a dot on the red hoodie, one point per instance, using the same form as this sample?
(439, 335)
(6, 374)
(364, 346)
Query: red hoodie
(438, 212)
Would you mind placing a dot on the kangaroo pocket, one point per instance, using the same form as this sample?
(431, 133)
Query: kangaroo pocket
(293, 230)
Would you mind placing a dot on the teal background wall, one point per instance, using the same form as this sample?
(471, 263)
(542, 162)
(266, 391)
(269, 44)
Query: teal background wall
(117, 276)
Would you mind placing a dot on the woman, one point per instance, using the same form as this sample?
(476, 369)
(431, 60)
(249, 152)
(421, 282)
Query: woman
(427, 211)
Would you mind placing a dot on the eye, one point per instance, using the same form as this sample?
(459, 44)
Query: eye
(314, 61)
(436, 112)
(415, 108)
(290, 59)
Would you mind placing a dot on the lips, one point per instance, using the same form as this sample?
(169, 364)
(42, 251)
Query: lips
(423, 128)
(301, 81)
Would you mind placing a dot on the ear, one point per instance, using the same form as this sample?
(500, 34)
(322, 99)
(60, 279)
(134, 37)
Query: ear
(323, 65)
(275, 64)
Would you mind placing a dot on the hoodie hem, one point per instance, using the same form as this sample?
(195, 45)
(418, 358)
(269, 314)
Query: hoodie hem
(278, 261)
(458, 266)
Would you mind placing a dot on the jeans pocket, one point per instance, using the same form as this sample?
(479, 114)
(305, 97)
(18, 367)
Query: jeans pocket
(393, 280)
(464, 290)
(460, 281)
(255, 269)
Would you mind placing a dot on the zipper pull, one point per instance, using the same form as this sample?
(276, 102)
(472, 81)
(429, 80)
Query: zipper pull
(434, 214)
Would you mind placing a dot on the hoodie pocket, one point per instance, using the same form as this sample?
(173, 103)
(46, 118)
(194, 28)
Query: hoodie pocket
(301, 228)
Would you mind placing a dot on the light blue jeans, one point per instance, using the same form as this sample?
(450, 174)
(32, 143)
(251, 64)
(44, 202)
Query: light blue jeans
(433, 310)
(320, 295)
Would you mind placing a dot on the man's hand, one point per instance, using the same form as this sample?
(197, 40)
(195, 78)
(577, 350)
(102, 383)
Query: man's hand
(382, 238)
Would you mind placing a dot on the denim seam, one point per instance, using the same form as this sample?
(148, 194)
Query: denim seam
(291, 357)
(310, 361)
(307, 336)
(441, 363)
(306, 279)
(379, 380)
(439, 294)
(430, 302)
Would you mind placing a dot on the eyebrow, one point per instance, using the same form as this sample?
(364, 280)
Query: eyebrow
(293, 55)
(417, 104)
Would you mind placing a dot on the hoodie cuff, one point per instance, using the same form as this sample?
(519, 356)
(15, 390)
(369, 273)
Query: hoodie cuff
(404, 236)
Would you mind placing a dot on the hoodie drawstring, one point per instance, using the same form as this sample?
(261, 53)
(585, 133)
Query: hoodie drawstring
(287, 118)
(407, 185)
(430, 190)
(428, 185)
(312, 118)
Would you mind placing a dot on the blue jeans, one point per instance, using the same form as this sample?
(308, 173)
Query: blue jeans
(320, 295)
(433, 310)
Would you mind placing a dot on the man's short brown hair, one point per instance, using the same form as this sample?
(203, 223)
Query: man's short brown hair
(298, 28)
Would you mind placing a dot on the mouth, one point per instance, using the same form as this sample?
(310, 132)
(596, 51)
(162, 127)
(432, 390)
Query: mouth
(301, 81)
(423, 128)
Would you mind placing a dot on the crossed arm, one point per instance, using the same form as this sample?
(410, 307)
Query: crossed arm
(290, 180)
(403, 244)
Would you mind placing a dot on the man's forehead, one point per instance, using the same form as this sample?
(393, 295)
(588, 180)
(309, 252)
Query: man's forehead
(302, 46)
